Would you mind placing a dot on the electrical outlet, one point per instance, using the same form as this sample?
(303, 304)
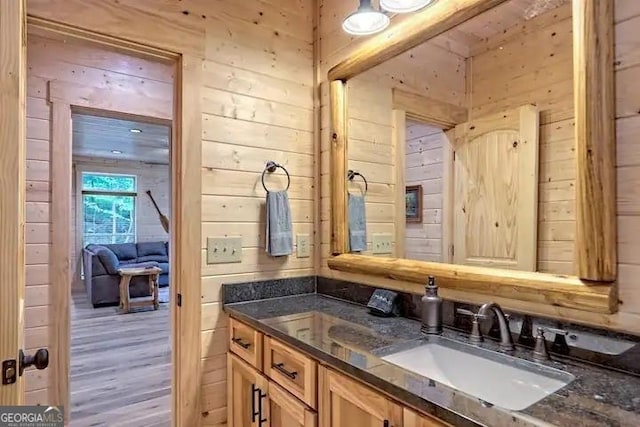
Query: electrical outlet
(302, 246)
(223, 250)
(382, 244)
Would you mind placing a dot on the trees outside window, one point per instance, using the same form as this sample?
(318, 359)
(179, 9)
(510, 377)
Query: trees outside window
(108, 208)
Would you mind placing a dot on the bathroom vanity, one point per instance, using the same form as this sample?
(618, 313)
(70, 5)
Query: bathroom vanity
(315, 360)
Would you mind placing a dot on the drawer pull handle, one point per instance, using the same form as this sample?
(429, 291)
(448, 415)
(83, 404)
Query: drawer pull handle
(261, 396)
(257, 413)
(242, 344)
(280, 368)
(254, 413)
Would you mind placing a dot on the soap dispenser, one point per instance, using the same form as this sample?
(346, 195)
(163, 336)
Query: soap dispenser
(431, 309)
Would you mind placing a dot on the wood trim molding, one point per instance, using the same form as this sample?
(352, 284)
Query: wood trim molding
(399, 139)
(593, 289)
(61, 31)
(60, 258)
(428, 110)
(557, 290)
(87, 97)
(339, 228)
(409, 33)
(12, 188)
(186, 199)
(593, 79)
(186, 223)
(448, 154)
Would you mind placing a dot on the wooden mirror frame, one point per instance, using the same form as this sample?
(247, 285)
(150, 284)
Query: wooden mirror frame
(593, 288)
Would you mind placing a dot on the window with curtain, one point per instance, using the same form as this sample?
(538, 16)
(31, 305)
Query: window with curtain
(108, 208)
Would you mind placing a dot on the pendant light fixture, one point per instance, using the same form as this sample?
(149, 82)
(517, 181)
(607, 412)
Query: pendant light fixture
(404, 6)
(366, 20)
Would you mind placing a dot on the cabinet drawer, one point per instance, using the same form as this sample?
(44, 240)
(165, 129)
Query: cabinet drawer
(245, 342)
(413, 419)
(292, 370)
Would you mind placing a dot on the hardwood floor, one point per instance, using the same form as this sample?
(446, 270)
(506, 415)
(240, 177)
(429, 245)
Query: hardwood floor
(120, 366)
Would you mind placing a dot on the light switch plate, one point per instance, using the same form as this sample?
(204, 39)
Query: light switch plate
(223, 250)
(382, 244)
(302, 246)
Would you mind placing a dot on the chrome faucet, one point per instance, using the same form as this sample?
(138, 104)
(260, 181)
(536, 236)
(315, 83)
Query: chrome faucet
(506, 341)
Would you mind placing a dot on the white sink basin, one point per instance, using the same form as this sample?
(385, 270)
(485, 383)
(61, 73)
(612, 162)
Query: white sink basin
(501, 380)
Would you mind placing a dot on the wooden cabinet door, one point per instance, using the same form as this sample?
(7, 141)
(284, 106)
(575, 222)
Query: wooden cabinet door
(413, 419)
(247, 401)
(495, 190)
(346, 403)
(285, 410)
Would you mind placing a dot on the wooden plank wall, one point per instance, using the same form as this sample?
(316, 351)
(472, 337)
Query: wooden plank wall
(49, 60)
(627, 65)
(435, 69)
(258, 101)
(154, 177)
(423, 166)
(371, 153)
(532, 63)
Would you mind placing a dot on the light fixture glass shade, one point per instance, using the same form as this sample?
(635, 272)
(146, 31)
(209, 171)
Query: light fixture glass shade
(365, 20)
(404, 6)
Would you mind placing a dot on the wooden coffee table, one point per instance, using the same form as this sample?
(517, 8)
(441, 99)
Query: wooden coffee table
(125, 299)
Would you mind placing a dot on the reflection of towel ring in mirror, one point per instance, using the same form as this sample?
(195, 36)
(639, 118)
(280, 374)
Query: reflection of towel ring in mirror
(271, 167)
(351, 174)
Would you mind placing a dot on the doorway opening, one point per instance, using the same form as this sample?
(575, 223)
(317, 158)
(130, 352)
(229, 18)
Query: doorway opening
(120, 338)
(100, 135)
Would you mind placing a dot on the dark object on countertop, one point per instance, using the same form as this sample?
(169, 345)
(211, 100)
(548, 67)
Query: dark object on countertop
(431, 309)
(560, 345)
(383, 303)
(526, 332)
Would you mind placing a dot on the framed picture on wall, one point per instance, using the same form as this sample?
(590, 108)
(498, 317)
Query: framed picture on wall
(413, 199)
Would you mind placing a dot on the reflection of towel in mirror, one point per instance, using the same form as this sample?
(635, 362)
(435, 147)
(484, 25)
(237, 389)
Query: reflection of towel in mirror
(279, 231)
(357, 224)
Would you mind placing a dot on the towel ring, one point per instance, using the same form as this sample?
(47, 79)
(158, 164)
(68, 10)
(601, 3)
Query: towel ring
(351, 174)
(271, 167)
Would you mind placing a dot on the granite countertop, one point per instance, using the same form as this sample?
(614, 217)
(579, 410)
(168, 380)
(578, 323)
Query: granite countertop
(346, 337)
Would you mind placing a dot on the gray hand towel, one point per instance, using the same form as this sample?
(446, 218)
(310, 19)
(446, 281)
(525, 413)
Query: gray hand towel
(279, 230)
(357, 224)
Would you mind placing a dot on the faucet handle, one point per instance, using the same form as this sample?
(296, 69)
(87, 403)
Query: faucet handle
(540, 353)
(476, 336)
(560, 341)
(466, 312)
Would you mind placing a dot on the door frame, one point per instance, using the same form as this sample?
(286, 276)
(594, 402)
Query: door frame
(185, 253)
(12, 188)
(432, 112)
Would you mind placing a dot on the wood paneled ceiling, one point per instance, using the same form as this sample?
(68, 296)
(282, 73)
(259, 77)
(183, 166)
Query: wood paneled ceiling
(98, 137)
(502, 17)
(467, 38)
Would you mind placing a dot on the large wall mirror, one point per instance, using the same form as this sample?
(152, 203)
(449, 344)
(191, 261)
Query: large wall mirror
(482, 161)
